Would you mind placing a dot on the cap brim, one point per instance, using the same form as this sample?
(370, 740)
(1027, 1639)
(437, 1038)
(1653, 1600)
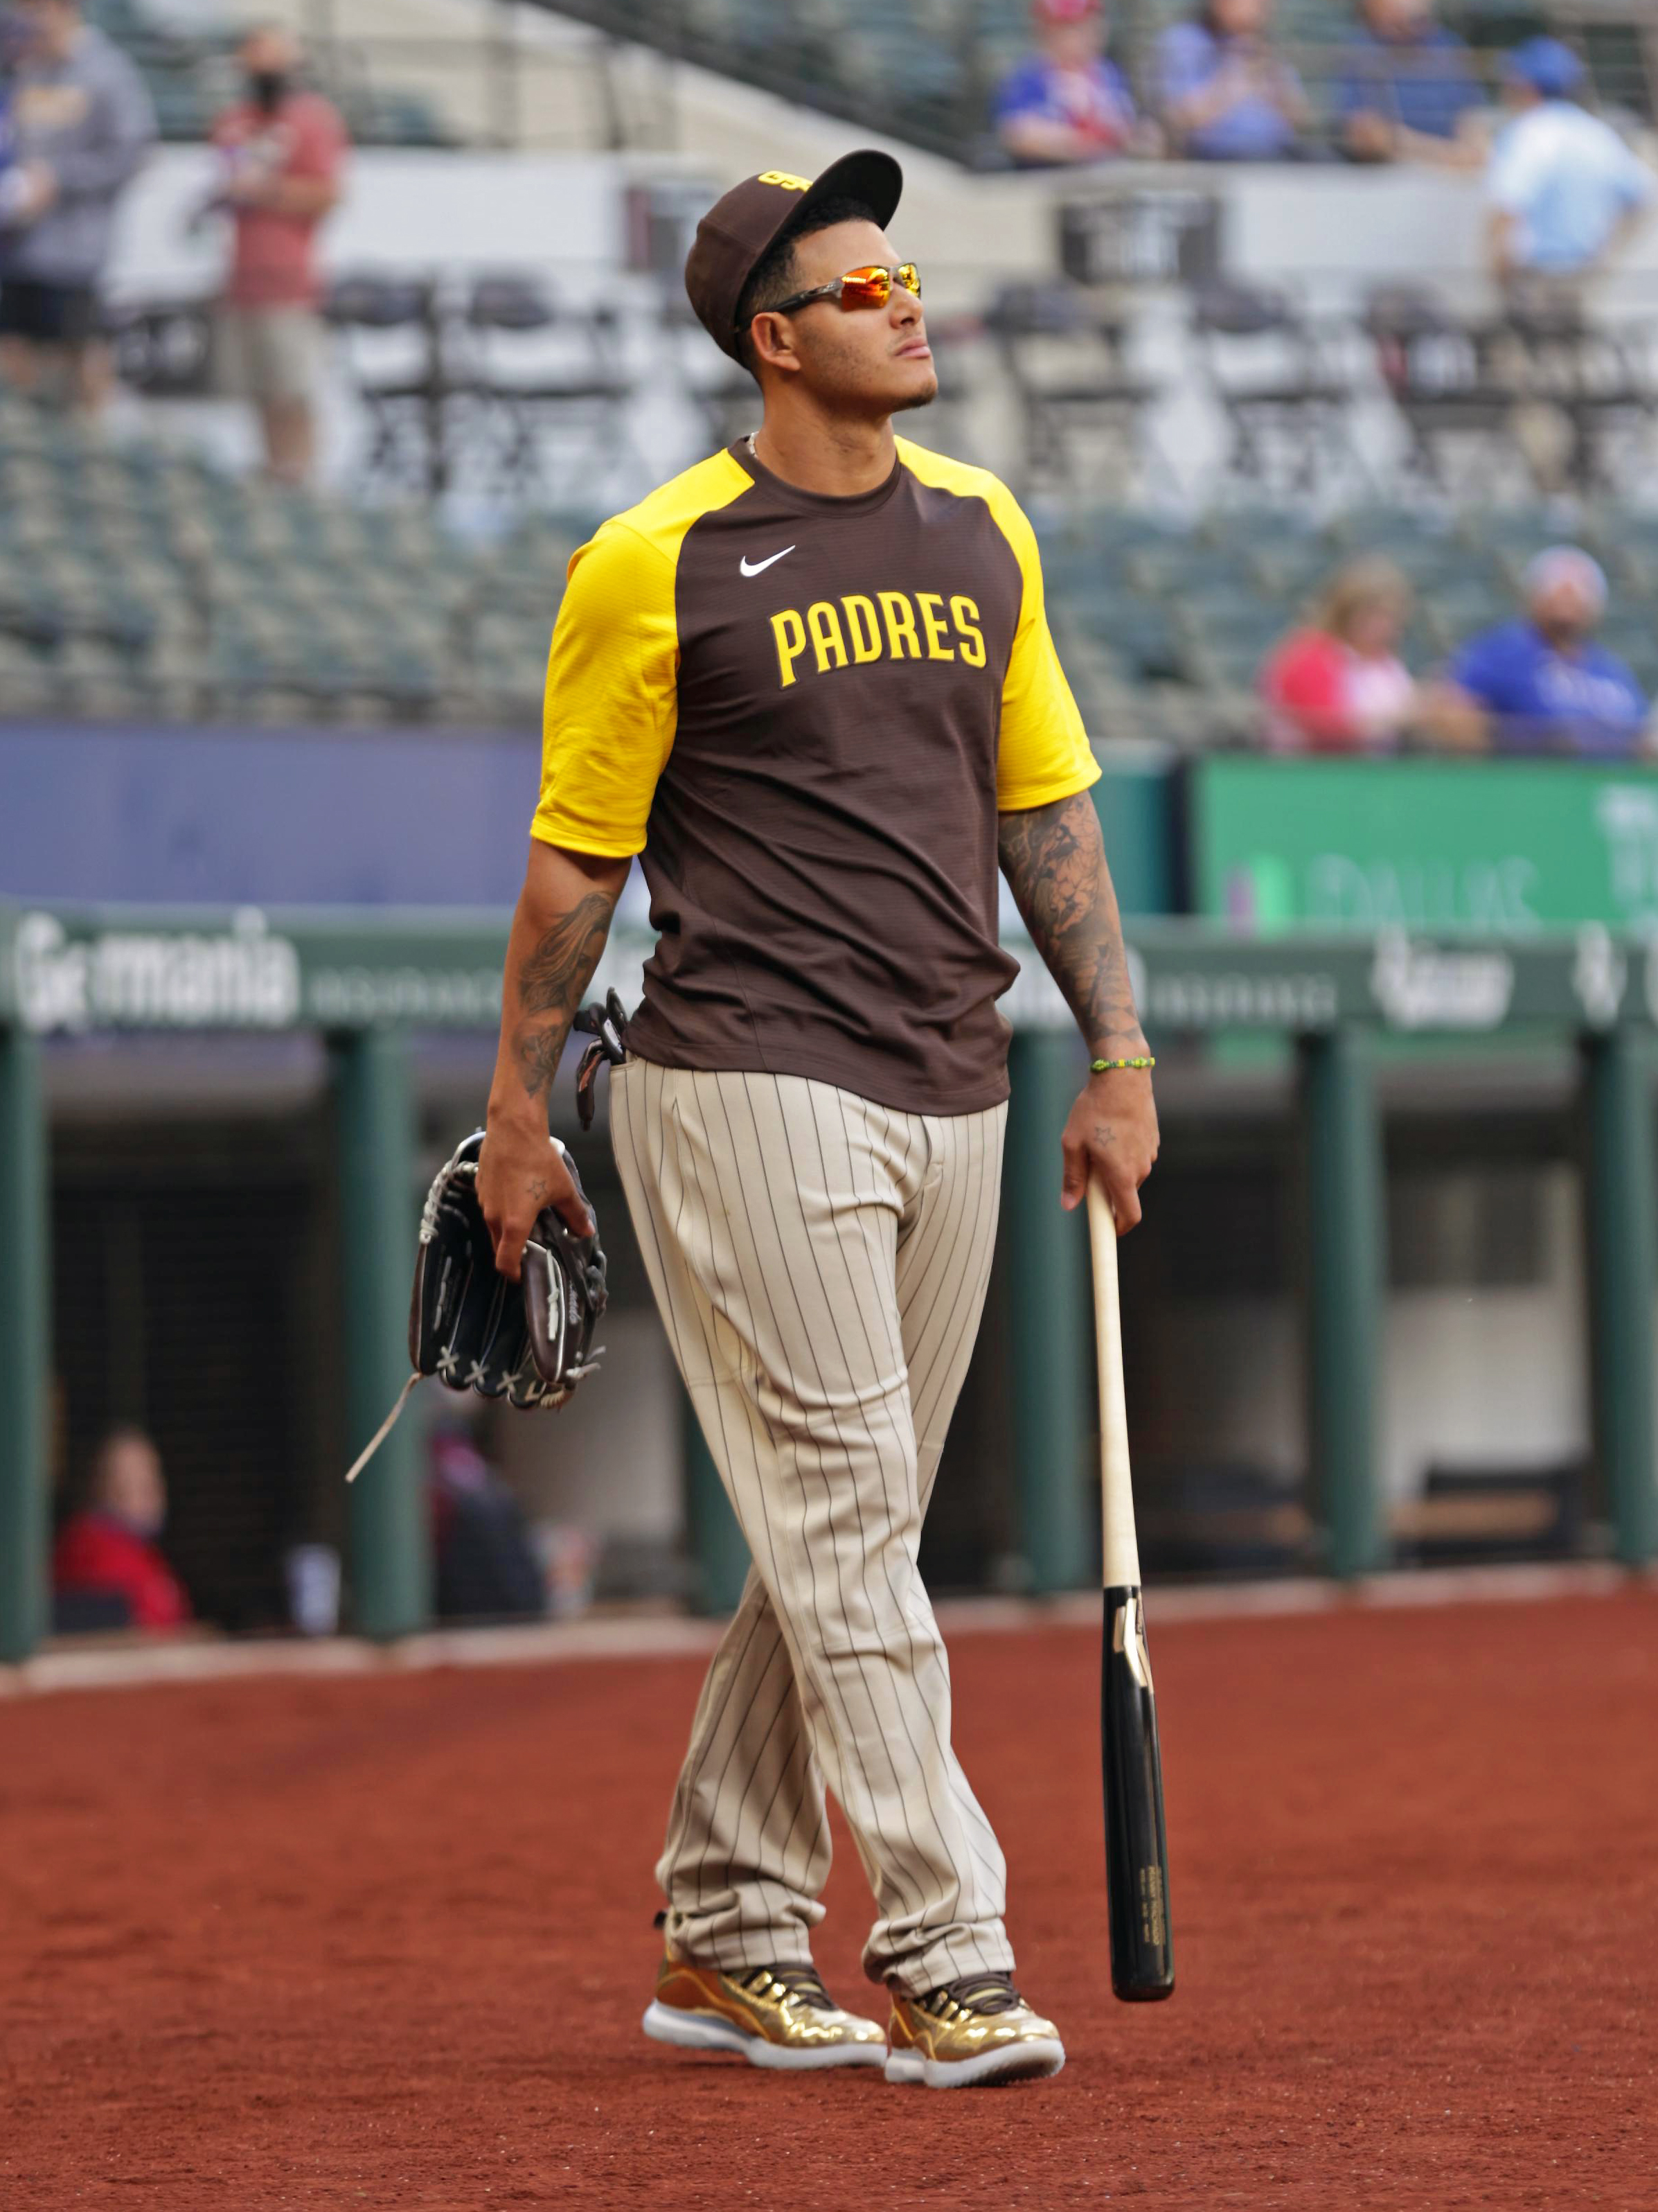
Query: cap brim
(866, 175)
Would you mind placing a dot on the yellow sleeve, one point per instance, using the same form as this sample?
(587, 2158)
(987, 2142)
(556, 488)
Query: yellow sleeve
(1044, 753)
(612, 696)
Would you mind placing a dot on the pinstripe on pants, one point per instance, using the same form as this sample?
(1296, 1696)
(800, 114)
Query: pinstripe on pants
(820, 1263)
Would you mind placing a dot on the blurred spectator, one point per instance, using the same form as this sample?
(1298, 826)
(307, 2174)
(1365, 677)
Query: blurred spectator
(487, 1568)
(1068, 103)
(1408, 91)
(80, 124)
(1225, 95)
(1542, 684)
(1339, 685)
(14, 185)
(108, 1566)
(282, 151)
(1565, 191)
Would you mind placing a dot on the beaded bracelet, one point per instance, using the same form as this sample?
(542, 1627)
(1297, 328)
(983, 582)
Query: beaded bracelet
(1104, 1066)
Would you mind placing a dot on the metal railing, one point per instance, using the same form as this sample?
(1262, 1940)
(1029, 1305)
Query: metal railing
(928, 75)
(505, 89)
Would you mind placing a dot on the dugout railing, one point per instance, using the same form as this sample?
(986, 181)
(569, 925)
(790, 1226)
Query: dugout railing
(368, 981)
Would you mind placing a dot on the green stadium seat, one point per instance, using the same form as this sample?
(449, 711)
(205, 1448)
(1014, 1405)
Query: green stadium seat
(27, 685)
(1178, 570)
(1633, 638)
(1453, 612)
(1140, 633)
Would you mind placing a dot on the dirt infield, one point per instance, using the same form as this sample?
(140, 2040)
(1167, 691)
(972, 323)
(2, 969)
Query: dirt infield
(384, 1943)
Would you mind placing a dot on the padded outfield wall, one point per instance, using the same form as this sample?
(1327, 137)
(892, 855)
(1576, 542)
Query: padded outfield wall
(317, 816)
(78, 978)
(1479, 1130)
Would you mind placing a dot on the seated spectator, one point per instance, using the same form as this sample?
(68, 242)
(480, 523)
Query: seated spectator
(1225, 95)
(1408, 90)
(1565, 193)
(1542, 684)
(486, 1566)
(1339, 685)
(109, 1553)
(1068, 104)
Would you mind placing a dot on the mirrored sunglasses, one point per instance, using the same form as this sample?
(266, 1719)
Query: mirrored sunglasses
(859, 288)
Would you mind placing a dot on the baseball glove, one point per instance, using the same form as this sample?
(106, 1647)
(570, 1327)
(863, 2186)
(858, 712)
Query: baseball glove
(607, 1025)
(530, 1341)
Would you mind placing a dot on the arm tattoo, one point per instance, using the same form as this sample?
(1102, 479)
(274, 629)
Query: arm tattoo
(550, 982)
(1054, 862)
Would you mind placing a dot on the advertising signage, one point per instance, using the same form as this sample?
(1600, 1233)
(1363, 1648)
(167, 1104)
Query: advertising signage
(1505, 848)
(68, 971)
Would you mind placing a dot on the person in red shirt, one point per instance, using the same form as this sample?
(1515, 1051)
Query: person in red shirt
(1337, 684)
(283, 150)
(109, 1550)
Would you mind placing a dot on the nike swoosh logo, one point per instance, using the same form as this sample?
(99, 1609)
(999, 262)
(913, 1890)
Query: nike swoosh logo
(753, 568)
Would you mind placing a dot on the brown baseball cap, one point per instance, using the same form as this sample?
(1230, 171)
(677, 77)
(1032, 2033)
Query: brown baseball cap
(740, 229)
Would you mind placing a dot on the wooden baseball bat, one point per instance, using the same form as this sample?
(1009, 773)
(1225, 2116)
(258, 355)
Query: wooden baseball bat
(1136, 1842)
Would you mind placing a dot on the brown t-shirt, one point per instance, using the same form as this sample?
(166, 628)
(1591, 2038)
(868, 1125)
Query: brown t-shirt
(803, 713)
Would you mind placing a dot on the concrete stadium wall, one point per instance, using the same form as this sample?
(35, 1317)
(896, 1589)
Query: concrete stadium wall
(372, 817)
(1330, 231)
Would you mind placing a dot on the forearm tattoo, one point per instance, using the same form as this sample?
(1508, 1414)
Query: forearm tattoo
(550, 982)
(1054, 862)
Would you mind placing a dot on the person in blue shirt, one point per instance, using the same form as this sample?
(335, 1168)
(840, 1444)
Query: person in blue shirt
(1225, 95)
(1564, 191)
(1068, 104)
(1407, 90)
(1543, 685)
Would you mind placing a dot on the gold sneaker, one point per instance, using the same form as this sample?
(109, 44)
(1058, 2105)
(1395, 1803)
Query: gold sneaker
(779, 2016)
(977, 2029)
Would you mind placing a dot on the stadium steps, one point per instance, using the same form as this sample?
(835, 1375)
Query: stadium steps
(138, 581)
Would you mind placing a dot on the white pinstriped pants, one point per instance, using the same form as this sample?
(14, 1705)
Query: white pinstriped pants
(820, 1264)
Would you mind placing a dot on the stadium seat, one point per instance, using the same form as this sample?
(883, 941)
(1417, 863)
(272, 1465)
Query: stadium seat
(137, 579)
(25, 683)
(1280, 383)
(1140, 633)
(1082, 405)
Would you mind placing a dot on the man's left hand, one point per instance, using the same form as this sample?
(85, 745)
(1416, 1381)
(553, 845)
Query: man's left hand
(1111, 1134)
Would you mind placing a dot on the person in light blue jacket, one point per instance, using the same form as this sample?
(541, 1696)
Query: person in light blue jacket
(1564, 193)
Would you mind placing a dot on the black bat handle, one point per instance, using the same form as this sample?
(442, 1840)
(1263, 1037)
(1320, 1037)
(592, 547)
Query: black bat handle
(1136, 1842)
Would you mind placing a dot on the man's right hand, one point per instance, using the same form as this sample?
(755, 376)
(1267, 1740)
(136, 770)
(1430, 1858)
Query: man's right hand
(1369, 136)
(521, 1171)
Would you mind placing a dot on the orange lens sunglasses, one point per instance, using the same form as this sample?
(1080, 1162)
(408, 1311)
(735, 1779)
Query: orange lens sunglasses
(859, 288)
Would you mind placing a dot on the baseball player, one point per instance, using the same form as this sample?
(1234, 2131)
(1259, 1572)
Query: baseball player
(811, 683)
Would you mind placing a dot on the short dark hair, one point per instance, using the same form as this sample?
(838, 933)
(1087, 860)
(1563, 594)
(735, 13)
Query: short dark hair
(775, 276)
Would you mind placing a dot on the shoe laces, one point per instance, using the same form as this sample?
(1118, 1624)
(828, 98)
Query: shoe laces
(975, 1993)
(803, 1984)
